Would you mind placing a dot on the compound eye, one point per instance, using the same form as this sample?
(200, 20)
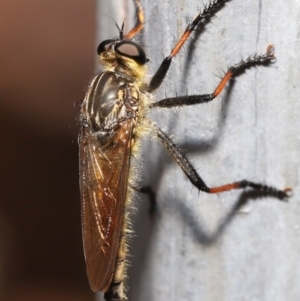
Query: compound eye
(132, 51)
(103, 46)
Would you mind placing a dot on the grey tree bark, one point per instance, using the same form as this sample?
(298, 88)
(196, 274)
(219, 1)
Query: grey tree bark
(208, 247)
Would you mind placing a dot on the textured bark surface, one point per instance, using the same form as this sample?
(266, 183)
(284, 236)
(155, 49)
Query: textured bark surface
(197, 246)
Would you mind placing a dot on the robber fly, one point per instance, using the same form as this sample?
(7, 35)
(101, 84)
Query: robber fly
(113, 118)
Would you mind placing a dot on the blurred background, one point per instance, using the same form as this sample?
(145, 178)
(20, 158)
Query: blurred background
(47, 61)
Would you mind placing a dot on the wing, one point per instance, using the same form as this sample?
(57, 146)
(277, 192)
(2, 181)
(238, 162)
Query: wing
(103, 185)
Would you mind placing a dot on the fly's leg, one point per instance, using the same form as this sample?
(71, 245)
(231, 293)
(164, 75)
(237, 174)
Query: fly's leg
(197, 181)
(140, 21)
(232, 71)
(202, 18)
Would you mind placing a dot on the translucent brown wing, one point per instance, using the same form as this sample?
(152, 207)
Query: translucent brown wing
(103, 185)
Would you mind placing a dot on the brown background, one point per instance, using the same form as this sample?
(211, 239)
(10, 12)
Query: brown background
(47, 60)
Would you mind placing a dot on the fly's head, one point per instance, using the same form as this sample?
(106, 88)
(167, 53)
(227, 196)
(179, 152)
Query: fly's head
(123, 56)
